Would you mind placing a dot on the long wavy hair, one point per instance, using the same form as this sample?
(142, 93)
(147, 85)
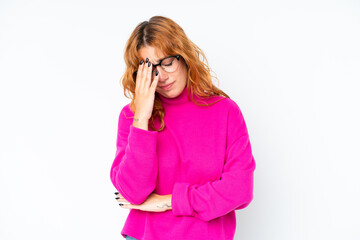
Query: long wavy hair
(165, 35)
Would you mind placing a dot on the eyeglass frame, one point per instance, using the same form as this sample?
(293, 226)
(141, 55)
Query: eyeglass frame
(159, 64)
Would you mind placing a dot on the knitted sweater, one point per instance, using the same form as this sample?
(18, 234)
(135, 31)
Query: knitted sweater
(203, 158)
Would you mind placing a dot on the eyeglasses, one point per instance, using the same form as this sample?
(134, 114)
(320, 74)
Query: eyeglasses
(169, 64)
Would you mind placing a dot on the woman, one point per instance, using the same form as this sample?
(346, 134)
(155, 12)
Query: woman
(183, 161)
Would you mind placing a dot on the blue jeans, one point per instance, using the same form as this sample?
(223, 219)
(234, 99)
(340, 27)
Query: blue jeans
(129, 238)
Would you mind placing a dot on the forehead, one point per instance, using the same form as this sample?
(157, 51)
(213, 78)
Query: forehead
(154, 54)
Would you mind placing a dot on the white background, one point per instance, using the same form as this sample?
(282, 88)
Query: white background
(293, 67)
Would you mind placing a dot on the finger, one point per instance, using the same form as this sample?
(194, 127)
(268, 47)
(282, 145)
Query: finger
(155, 82)
(117, 198)
(148, 77)
(145, 73)
(122, 200)
(139, 74)
(118, 195)
(126, 205)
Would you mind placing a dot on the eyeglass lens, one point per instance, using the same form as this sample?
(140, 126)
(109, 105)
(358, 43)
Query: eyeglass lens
(168, 65)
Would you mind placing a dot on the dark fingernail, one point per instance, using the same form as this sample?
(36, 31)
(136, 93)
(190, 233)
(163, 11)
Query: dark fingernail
(149, 64)
(121, 204)
(141, 62)
(157, 72)
(147, 59)
(116, 193)
(117, 198)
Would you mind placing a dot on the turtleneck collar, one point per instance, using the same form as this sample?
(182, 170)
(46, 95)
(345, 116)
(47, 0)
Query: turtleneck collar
(182, 98)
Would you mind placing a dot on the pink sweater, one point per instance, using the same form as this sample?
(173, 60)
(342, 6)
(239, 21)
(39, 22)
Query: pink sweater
(203, 158)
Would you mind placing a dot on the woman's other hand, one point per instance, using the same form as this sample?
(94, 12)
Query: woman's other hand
(154, 203)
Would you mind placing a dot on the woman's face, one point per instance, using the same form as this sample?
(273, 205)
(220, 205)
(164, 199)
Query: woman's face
(178, 78)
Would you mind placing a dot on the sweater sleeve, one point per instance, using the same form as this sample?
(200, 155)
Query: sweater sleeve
(135, 167)
(234, 189)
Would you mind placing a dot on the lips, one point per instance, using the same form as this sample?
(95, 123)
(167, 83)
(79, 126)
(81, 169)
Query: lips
(166, 85)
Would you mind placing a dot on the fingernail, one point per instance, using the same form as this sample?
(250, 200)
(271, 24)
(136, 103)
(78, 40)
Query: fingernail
(141, 62)
(116, 193)
(147, 59)
(157, 72)
(121, 204)
(117, 198)
(149, 64)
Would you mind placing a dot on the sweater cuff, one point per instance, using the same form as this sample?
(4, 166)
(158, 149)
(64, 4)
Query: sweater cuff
(142, 141)
(180, 201)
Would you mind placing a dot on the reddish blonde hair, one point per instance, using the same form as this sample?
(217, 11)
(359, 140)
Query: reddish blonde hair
(165, 35)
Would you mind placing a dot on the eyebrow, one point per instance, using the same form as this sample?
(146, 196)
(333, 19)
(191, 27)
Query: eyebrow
(159, 60)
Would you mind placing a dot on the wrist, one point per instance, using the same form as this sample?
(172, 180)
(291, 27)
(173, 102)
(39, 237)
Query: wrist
(168, 201)
(140, 123)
